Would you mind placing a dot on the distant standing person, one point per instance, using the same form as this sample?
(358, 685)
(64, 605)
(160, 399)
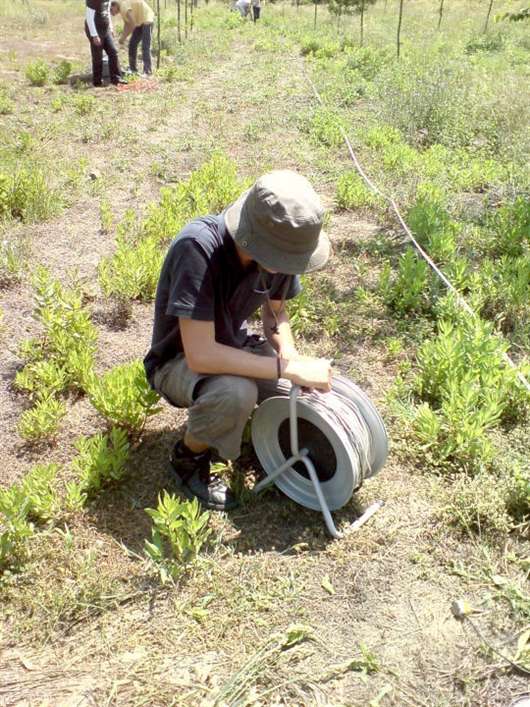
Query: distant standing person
(98, 29)
(138, 19)
(256, 9)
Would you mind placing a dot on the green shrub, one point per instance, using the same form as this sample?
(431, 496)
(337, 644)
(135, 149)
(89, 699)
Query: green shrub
(180, 531)
(62, 71)
(368, 61)
(83, 104)
(431, 224)
(133, 270)
(15, 531)
(325, 127)
(69, 338)
(124, 398)
(489, 42)
(12, 255)
(39, 489)
(42, 421)
(352, 192)
(468, 389)
(312, 313)
(101, 459)
(41, 379)
(38, 72)
(509, 228)
(409, 290)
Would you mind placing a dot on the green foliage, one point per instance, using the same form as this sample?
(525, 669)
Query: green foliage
(209, 189)
(69, 338)
(180, 531)
(325, 127)
(490, 42)
(62, 71)
(124, 398)
(7, 106)
(409, 290)
(468, 390)
(26, 197)
(101, 460)
(312, 313)
(509, 228)
(41, 379)
(133, 270)
(84, 104)
(352, 192)
(12, 254)
(39, 491)
(42, 421)
(368, 61)
(37, 72)
(432, 225)
(479, 504)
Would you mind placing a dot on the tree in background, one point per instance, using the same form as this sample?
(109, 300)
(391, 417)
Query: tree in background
(400, 20)
(351, 7)
(488, 15)
(440, 13)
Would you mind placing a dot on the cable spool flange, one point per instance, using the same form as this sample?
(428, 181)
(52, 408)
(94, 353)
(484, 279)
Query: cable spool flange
(340, 471)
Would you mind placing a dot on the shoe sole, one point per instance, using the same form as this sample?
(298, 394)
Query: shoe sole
(183, 488)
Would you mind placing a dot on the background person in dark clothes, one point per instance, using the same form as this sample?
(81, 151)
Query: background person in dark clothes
(98, 29)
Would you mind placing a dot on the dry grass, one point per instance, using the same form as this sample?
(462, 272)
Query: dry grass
(87, 621)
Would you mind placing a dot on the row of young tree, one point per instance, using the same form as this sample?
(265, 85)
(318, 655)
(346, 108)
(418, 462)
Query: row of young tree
(341, 8)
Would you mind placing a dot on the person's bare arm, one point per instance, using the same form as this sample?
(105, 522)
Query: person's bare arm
(205, 355)
(283, 340)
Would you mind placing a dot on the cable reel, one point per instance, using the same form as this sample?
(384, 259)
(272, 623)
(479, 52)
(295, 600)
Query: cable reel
(318, 448)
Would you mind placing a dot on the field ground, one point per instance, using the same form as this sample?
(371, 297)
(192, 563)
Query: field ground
(87, 621)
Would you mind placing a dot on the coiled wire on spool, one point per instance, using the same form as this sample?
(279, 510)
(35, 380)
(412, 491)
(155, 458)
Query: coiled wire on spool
(340, 434)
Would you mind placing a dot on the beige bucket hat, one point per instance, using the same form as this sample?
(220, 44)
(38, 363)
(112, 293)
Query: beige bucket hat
(278, 222)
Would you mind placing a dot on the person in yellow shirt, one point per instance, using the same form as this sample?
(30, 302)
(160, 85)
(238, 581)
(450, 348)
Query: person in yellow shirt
(138, 19)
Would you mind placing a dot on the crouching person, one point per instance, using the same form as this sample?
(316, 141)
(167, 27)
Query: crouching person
(218, 272)
(138, 19)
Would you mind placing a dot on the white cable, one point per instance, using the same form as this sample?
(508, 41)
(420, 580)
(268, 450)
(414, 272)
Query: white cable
(342, 413)
(461, 301)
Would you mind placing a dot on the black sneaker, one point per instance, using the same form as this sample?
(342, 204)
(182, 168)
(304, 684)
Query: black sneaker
(191, 473)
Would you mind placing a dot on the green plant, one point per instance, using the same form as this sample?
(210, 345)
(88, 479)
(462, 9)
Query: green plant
(123, 396)
(26, 196)
(492, 42)
(101, 459)
(352, 192)
(37, 72)
(325, 127)
(509, 228)
(83, 104)
(105, 216)
(432, 225)
(133, 270)
(7, 106)
(39, 489)
(15, 531)
(42, 421)
(12, 255)
(41, 379)
(62, 71)
(180, 531)
(480, 503)
(410, 289)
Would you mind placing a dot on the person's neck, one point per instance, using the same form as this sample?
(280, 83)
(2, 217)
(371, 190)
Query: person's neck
(244, 258)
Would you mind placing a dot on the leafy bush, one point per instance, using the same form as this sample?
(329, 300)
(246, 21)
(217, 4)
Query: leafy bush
(15, 531)
(84, 104)
(123, 396)
(179, 533)
(409, 290)
(432, 225)
(468, 390)
(352, 192)
(325, 127)
(69, 338)
(42, 421)
(62, 71)
(39, 491)
(368, 60)
(41, 379)
(38, 72)
(509, 228)
(489, 42)
(133, 270)
(101, 459)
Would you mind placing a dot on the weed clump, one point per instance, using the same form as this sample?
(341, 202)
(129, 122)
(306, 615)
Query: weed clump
(25, 196)
(352, 192)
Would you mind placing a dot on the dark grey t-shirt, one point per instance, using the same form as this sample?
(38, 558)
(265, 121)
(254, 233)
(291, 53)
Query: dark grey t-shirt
(202, 278)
